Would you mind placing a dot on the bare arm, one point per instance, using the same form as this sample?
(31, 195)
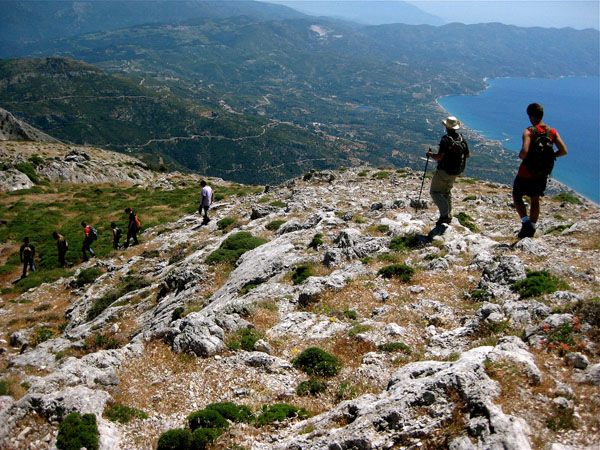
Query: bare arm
(562, 148)
(435, 156)
(525, 146)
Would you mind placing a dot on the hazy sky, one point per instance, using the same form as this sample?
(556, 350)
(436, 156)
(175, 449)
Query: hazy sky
(576, 14)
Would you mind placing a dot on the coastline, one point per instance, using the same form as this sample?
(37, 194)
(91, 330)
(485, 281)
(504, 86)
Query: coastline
(555, 186)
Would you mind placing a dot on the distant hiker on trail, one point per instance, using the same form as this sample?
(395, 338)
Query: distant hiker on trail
(452, 158)
(62, 246)
(90, 236)
(538, 157)
(117, 233)
(133, 227)
(205, 201)
(26, 254)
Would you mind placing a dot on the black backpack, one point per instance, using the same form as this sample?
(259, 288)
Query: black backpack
(455, 157)
(540, 156)
(93, 233)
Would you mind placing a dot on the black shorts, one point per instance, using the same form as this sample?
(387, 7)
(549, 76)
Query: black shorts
(531, 187)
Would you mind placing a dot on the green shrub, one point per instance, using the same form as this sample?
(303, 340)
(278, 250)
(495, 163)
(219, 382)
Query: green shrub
(351, 314)
(557, 229)
(401, 271)
(394, 347)
(225, 223)
(466, 221)
(207, 418)
(312, 387)
(357, 329)
(383, 228)
(203, 437)
(381, 175)
(36, 160)
(29, 170)
(5, 388)
(86, 276)
(278, 204)
(279, 412)
(77, 431)
(245, 338)
(469, 198)
(538, 283)
(233, 247)
(315, 361)
(42, 335)
(174, 440)
(301, 273)
(274, 225)
(233, 412)
(561, 419)
(124, 414)
(588, 310)
(129, 284)
(405, 243)
(177, 313)
(567, 198)
(363, 173)
(316, 241)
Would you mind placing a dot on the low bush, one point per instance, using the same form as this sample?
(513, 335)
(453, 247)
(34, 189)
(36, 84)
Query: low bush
(351, 314)
(203, 437)
(278, 204)
(312, 387)
(315, 361)
(588, 310)
(42, 335)
(245, 338)
(207, 418)
(407, 242)
(301, 273)
(29, 170)
(225, 223)
(394, 347)
(316, 241)
(233, 412)
(567, 198)
(5, 388)
(128, 284)
(274, 225)
(179, 439)
(466, 221)
(401, 271)
(233, 247)
(538, 283)
(177, 313)
(86, 276)
(381, 175)
(279, 412)
(77, 431)
(124, 414)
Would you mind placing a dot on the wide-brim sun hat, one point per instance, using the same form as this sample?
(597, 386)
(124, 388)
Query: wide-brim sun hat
(452, 123)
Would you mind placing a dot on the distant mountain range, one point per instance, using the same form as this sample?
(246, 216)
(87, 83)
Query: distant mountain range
(351, 92)
(374, 12)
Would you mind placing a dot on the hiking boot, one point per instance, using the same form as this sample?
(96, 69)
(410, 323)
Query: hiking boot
(443, 220)
(527, 230)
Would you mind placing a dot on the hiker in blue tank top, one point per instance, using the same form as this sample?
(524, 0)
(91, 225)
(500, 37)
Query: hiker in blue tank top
(538, 157)
(451, 158)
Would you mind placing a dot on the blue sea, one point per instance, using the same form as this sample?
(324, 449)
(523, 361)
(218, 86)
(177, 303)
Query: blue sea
(571, 105)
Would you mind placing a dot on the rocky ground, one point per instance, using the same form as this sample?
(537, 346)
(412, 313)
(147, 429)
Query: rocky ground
(480, 366)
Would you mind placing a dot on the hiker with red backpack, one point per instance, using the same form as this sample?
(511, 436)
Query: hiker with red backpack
(90, 235)
(451, 161)
(133, 227)
(538, 155)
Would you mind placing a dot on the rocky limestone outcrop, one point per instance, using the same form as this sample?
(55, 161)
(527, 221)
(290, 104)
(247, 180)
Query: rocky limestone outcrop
(421, 358)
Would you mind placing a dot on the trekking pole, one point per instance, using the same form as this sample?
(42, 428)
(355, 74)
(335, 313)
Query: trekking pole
(423, 181)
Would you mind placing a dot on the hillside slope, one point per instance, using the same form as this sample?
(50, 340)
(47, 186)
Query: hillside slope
(79, 103)
(452, 355)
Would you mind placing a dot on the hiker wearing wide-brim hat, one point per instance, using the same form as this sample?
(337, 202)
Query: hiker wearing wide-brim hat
(451, 158)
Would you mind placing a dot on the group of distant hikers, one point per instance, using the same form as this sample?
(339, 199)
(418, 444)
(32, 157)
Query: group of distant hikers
(537, 154)
(27, 250)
